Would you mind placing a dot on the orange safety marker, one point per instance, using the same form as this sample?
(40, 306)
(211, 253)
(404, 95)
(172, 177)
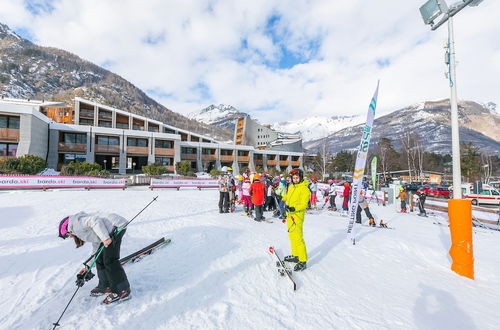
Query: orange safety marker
(461, 252)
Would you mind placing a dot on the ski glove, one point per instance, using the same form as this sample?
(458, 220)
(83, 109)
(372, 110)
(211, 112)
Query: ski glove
(82, 278)
(290, 208)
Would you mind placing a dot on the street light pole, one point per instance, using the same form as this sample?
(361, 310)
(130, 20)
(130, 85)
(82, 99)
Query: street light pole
(455, 137)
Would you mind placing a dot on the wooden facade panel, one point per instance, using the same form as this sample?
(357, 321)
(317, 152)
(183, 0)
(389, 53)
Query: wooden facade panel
(226, 158)
(103, 148)
(188, 156)
(72, 147)
(11, 134)
(138, 150)
(164, 152)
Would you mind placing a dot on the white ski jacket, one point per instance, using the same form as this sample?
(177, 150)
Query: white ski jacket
(94, 227)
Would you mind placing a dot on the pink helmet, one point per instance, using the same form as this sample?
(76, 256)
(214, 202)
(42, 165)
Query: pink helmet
(63, 228)
(330, 181)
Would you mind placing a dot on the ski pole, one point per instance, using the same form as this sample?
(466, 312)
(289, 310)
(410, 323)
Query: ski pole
(96, 256)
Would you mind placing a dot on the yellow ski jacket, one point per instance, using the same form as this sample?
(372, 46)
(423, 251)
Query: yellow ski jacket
(298, 196)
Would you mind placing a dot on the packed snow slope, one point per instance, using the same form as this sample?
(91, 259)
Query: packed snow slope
(217, 272)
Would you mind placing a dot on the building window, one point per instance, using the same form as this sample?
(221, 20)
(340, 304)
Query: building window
(208, 151)
(136, 142)
(224, 152)
(104, 123)
(168, 130)
(75, 138)
(8, 149)
(9, 122)
(122, 125)
(242, 153)
(164, 144)
(107, 140)
(68, 158)
(188, 151)
(153, 128)
(164, 161)
(86, 121)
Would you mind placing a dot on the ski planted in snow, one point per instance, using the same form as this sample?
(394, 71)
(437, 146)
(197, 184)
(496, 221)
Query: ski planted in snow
(282, 269)
(145, 251)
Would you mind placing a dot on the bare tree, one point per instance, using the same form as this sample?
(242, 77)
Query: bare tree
(487, 166)
(407, 145)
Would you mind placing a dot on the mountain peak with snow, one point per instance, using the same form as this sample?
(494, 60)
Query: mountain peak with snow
(316, 127)
(222, 115)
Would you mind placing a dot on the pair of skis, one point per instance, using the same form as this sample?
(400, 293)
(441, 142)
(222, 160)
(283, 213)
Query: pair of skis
(283, 270)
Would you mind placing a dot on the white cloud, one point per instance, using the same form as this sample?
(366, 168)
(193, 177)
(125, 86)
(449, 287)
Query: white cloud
(194, 53)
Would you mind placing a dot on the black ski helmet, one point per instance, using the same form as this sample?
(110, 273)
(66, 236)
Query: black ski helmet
(299, 172)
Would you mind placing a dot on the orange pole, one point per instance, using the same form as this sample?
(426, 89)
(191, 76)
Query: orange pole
(460, 217)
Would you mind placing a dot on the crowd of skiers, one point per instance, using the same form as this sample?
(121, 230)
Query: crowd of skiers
(288, 197)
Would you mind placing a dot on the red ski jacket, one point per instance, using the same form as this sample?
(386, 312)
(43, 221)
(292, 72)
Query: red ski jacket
(257, 190)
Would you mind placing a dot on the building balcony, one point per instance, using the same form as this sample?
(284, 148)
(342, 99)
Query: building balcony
(138, 150)
(208, 157)
(9, 134)
(105, 117)
(295, 163)
(283, 163)
(226, 158)
(87, 114)
(72, 147)
(271, 162)
(244, 158)
(188, 157)
(164, 152)
(107, 149)
(258, 162)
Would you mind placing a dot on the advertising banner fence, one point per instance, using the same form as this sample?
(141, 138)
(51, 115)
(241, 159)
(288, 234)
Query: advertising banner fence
(48, 182)
(183, 183)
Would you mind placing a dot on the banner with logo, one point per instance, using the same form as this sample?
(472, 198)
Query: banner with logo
(374, 172)
(180, 183)
(359, 169)
(47, 182)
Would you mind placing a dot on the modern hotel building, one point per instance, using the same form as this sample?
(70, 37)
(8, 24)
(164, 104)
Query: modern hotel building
(120, 141)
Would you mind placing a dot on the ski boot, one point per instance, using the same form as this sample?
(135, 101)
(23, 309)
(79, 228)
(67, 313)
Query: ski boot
(372, 222)
(300, 266)
(291, 258)
(99, 291)
(114, 297)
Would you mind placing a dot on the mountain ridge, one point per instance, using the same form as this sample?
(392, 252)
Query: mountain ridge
(30, 71)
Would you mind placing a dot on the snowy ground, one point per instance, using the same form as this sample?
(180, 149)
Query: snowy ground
(217, 272)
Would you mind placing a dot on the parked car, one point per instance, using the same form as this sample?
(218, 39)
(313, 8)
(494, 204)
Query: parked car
(440, 192)
(412, 187)
(203, 175)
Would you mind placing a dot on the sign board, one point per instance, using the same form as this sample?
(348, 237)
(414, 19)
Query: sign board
(47, 182)
(180, 183)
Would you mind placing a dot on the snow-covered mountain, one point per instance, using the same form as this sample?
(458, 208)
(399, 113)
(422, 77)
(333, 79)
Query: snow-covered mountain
(33, 72)
(221, 115)
(316, 127)
(431, 121)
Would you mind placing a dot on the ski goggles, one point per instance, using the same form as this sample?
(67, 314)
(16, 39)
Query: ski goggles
(63, 228)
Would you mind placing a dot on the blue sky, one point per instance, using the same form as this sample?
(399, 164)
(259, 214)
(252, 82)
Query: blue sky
(275, 59)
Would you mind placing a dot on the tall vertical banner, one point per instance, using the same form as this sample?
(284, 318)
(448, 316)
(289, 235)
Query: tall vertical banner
(374, 172)
(359, 169)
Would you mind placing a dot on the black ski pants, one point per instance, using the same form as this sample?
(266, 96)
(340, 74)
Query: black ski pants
(109, 270)
(421, 203)
(224, 201)
(332, 202)
(358, 214)
(259, 212)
